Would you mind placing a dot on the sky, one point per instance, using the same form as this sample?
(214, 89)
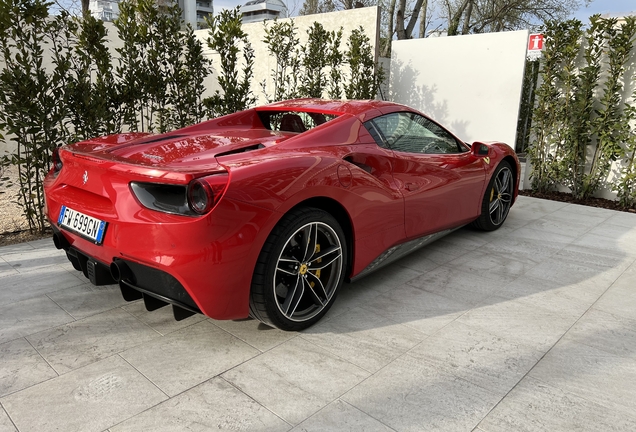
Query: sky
(612, 7)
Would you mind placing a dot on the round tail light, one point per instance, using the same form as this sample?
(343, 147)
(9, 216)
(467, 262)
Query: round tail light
(205, 192)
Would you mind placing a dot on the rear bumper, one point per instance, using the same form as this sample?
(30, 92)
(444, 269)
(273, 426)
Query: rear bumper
(157, 288)
(201, 265)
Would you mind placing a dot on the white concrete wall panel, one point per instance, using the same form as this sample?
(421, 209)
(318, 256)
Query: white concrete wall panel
(264, 63)
(471, 84)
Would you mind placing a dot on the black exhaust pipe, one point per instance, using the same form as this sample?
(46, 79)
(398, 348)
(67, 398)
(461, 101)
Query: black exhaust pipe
(60, 241)
(120, 271)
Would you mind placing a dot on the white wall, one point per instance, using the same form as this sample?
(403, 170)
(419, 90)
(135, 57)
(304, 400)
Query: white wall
(471, 84)
(263, 65)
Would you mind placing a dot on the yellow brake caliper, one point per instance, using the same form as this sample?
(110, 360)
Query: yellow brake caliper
(317, 272)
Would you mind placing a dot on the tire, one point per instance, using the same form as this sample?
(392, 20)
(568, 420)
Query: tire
(299, 270)
(497, 199)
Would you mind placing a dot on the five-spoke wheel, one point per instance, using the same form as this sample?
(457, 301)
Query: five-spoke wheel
(497, 199)
(299, 270)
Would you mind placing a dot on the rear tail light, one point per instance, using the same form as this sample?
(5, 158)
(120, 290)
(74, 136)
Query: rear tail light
(56, 160)
(197, 198)
(205, 192)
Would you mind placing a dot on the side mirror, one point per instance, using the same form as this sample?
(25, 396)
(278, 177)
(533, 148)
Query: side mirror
(480, 149)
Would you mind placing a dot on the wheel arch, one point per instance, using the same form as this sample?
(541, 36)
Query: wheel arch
(515, 173)
(338, 211)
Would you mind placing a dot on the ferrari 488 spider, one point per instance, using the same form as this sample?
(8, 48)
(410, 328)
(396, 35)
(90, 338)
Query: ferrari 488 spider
(265, 212)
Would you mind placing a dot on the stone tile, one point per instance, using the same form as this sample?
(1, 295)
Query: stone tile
(443, 252)
(620, 298)
(35, 259)
(30, 316)
(352, 295)
(537, 207)
(253, 332)
(535, 406)
(474, 355)
(6, 425)
(560, 298)
(582, 215)
(92, 398)
(6, 269)
(572, 267)
(16, 248)
(583, 210)
(415, 396)
(161, 320)
(418, 309)
(188, 357)
(606, 332)
(21, 366)
(611, 237)
(522, 249)
(388, 277)
(295, 379)
(622, 219)
(86, 300)
(495, 266)
(467, 238)
(213, 405)
(91, 339)
(537, 234)
(519, 322)
(339, 416)
(552, 224)
(418, 261)
(463, 286)
(365, 339)
(590, 373)
(22, 286)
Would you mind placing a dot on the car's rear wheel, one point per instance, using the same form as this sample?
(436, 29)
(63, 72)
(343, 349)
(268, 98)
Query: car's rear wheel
(299, 271)
(497, 199)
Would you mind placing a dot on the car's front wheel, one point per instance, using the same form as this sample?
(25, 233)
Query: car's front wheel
(299, 271)
(497, 200)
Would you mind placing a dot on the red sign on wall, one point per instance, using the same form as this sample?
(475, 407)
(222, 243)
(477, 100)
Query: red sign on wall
(535, 42)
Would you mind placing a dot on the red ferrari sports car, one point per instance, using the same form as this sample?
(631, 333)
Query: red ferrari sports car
(265, 212)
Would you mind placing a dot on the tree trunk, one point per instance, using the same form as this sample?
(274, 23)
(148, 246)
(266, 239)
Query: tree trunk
(455, 18)
(399, 24)
(423, 19)
(469, 12)
(387, 48)
(411, 25)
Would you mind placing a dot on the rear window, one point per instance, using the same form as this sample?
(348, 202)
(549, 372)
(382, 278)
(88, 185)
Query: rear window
(293, 121)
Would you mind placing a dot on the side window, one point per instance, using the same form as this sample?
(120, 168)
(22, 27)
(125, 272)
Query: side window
(412, 133)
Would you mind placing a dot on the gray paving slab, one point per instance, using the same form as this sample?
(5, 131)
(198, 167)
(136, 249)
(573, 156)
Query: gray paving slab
(213, 405)
(535, 406)
(89, 399)
(86, 341)
(413, 395)
(528, 328)
(6, 425)
(339, 416)
(295, 379)
(189, 356)
(21, 367)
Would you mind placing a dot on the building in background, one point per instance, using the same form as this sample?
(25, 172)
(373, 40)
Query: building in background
(105, 10)
(194, 11)
(260, 10)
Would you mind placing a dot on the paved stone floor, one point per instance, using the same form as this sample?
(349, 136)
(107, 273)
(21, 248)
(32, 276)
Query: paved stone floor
(529, 328)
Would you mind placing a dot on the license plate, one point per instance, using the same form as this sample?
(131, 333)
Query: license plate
(82, 224)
